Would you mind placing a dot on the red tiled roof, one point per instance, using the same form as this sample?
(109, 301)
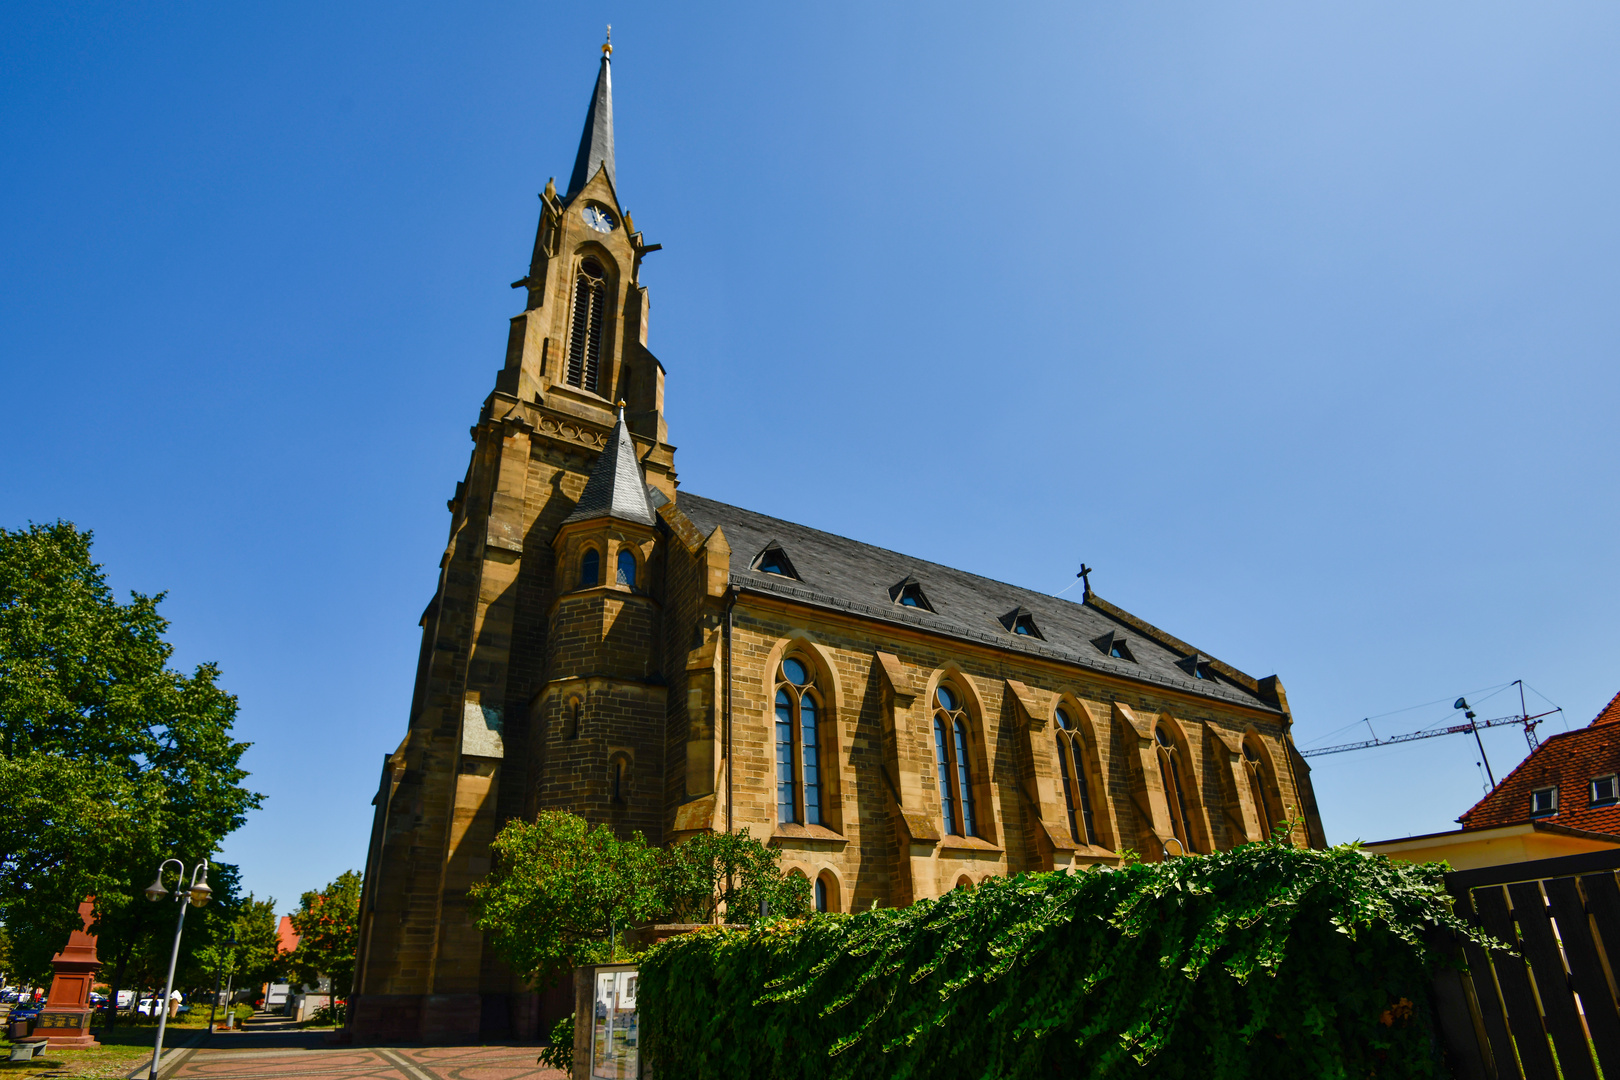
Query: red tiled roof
(1567, 761)
(286, 936)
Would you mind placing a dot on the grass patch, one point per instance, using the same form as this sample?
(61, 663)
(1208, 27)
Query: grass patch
(93, 1062)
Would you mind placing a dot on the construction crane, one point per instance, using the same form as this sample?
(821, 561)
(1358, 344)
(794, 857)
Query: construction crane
(1473, 726)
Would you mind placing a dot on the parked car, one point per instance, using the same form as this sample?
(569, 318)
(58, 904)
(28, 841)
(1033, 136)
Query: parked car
(27, 1012)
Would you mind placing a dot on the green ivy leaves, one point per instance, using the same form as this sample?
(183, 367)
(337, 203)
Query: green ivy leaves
(1263, 960)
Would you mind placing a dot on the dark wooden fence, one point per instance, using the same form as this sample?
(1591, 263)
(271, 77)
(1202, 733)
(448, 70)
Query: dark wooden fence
(1509, 1015)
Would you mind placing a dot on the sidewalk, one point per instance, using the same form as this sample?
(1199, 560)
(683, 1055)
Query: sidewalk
(364, 1063)
(274, 1047)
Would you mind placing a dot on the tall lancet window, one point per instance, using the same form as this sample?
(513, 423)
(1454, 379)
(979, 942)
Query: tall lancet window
(952, 756)
(798, 745)
(1170, 775)
(585, 336)
(1072, 768)
(1254, 765)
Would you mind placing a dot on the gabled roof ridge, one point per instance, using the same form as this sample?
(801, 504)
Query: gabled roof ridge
(912, 559)
(1609, 714)
(990, 599)
(1173, 643)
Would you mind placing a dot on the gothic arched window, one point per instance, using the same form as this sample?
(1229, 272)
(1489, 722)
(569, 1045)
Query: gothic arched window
(955, 770)
(585, 335)
(798, 744)
(1072, 770)
(627, 569)
(619, 778)
(1254, 766)
(826, 892)
(1170, 774)
(590, 569)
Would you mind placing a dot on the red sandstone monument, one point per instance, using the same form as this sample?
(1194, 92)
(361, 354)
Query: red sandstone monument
(65, 1020)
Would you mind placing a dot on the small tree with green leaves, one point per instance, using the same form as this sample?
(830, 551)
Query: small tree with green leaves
(254, 958)
(560, 892)
(729, 874)
(328, 926)
(559, 888)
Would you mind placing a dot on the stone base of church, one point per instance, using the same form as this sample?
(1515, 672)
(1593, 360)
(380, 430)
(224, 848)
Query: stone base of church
(441, 1018)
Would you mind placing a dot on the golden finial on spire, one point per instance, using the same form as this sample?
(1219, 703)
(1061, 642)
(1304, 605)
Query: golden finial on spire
(607, 46)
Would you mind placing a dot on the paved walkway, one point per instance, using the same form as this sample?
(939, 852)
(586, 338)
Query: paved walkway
(365, 1063)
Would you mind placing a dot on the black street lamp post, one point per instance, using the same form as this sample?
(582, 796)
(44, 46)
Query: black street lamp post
(197, 893)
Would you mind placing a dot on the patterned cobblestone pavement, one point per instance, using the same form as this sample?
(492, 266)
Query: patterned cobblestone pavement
(368, 1063)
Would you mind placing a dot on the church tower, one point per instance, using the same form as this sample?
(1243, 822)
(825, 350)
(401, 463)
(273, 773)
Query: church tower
(538, 683)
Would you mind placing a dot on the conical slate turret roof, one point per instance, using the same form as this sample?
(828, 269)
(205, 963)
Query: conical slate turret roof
(616, 488)
(596, 143)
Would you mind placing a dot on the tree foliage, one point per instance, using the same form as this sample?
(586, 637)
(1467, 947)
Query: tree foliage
(254, 958)
(328, 926)
(727, 873)
(559, 887)
(1266, 960)
(110, 761)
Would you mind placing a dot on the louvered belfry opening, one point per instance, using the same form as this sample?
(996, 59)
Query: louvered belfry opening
(585, 337)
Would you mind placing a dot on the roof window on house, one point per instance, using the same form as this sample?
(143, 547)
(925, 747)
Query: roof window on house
(1113, 644)
(1544, 802)
(908, 593)
(774, 560)
(1198, 666)
(1605, 790)
(1020, 621)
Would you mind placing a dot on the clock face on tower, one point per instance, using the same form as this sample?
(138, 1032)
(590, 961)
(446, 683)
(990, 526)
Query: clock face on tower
(599, 219)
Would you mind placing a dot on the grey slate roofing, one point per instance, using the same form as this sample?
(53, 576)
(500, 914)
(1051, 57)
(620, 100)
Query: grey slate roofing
(615, 487)
(596, 142)
(845, 575)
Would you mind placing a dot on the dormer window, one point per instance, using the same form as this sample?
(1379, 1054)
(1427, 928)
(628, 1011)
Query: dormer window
(908, 593)
(1113, 644)
(1544, 802)
(1605, 790)
(774, 560)
(1020, 621)
(1198, 667)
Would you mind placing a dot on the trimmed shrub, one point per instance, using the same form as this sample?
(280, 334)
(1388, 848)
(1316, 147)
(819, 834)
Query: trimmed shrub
(1263, 961)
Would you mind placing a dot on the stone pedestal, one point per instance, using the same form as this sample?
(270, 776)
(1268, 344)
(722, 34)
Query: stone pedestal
(65, 1020)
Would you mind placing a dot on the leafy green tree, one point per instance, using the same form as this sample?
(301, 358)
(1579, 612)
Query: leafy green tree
(559, 888)
(559, 891)
(732, 874)
(110, 761)
(255, 957)
(328, 925)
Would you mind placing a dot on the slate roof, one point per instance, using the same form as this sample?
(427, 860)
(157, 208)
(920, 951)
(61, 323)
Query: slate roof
(1569, 761)
(846, 575)
(615, 487)
(596, 141)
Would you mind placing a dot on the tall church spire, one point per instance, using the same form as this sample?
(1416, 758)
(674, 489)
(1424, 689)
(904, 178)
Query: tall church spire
(596, 143)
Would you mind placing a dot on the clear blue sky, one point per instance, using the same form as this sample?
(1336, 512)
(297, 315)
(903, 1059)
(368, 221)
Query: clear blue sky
(1297, 321)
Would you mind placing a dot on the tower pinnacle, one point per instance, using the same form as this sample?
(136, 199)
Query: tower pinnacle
(596, 142)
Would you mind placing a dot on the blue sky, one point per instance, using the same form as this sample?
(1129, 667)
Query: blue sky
(1298, 322)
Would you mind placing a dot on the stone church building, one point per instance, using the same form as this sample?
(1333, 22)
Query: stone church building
(600, 640)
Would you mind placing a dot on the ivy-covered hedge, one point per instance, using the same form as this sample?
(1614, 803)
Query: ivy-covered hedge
(1264, 961)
